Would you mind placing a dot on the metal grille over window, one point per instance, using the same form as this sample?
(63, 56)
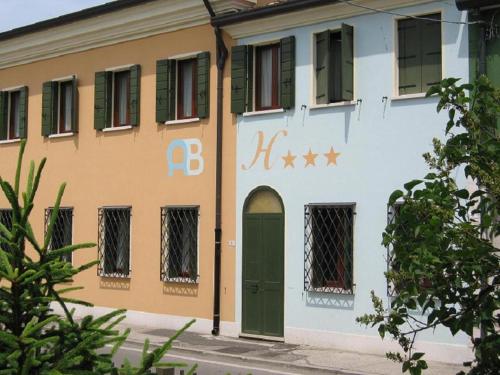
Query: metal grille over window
(179, 244)
(6, 220)
(114, 242)
(62, 231)
(329, 248)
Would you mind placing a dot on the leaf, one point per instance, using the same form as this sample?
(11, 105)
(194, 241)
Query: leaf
(395, 196)
(417, 356)
(410, 185)
(462, 193)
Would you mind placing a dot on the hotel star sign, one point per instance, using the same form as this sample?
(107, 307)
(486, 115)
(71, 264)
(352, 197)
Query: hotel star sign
(310, 158)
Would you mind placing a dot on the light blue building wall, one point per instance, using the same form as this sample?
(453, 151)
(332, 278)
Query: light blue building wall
(380, 138)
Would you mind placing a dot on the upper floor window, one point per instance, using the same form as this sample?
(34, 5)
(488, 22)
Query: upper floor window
(182, 88)
(117, 97)
(334, 65)
(13, 113)
(419, 54)
(329, 232)
(263, 76)
(267, 75)
(59, 107)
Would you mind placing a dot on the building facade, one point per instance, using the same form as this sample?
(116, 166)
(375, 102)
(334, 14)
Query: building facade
(324, 115)
(122, 103)
(331, 119)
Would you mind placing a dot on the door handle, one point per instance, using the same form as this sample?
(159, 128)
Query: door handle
(254, 288)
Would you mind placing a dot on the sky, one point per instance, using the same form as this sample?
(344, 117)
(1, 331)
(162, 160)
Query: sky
(17, 13)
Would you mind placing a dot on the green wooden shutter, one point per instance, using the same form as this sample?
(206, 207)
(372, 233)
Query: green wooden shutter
(203, 84)
(161, 90)
(23, 112)
(431, 51)
(135, 94)
(3, 115)
(102, 100)
(249, 79)
(238, 78)
(165, 90)
(49, 107)
(74, 106)
(409, 57)
(287, 77)
(347, 68)
(322, 67)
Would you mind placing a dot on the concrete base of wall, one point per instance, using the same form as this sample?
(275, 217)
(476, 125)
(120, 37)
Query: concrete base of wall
(145, 319)
(441, 352)
(449, 353)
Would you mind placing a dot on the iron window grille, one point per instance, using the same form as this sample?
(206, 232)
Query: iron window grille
(6, 220)
(179, 244)
(62, 233)
(328, 242)
(114, 242)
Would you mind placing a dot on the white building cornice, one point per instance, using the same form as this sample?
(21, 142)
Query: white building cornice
(136, 22)
(314, 15)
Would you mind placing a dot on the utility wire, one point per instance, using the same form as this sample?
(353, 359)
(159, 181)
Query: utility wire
(348, 2)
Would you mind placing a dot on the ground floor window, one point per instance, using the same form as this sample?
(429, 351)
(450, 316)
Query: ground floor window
(6, 221)
(62, 230)
(328, 244)
(179, 244)
(114, 241)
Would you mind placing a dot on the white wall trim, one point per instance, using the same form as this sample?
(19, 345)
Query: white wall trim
(440, 352)
(313, 15)
(132, 23)
(145, 319)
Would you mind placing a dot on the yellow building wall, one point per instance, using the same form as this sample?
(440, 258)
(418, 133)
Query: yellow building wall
(129, 167)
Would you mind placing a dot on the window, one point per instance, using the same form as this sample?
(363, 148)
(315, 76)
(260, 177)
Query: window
(6, 221)
(419, 54)
(179, 244)
(392, 213)
(114, 241)
(121, 96)
(182, 88)
(263, 77)
(117, 98)
(59, 107)
(334, 65)
(329, 248)
(186, 90)
(13, 113)
(267, 73)
(62, 230)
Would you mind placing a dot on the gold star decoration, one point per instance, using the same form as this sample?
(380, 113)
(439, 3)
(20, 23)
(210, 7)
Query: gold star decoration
(310, 158)
(332, 156)
(289, 158)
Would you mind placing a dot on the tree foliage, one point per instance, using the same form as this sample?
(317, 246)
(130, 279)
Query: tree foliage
(33, 338)
(444, 266)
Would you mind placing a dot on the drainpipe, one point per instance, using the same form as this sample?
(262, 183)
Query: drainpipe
(221, 61)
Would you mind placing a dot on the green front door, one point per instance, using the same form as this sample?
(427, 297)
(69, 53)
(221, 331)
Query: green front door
(263, 274)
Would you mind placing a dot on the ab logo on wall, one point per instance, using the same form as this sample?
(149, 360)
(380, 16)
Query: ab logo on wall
(191, 162)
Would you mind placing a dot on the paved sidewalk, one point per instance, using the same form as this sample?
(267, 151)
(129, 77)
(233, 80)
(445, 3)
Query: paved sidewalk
(289, 355)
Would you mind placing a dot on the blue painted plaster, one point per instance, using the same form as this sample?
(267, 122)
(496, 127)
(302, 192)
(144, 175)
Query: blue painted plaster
(381, 145)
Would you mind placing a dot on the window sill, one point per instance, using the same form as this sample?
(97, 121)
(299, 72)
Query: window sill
(421, 95)
(336, 104)
(117, 128)
(183, 121)
(264, 112)
(181, 280)
(7, 141)
(62, 135)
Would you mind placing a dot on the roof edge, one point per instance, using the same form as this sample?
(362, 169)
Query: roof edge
(71, 17)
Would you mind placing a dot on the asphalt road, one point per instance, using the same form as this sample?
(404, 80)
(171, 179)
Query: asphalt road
(214, 365)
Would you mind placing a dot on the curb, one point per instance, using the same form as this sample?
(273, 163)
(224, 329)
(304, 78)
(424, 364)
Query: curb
(290, 365)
